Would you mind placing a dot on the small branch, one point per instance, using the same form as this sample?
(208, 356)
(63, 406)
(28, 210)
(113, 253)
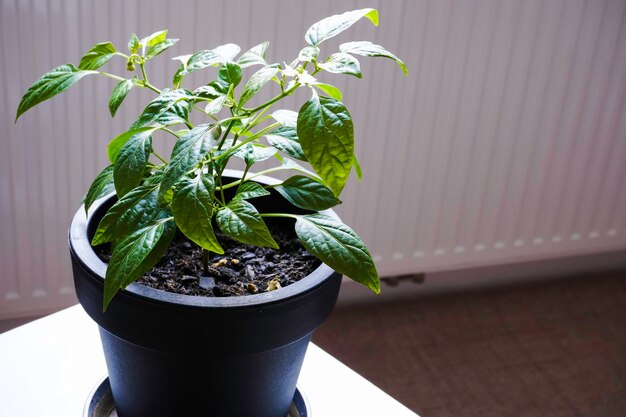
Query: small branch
(288, 215)
(274, 100)
(205, 262)
(159, 156)
(115, 77)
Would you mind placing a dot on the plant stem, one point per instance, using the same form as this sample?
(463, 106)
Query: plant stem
(151, 87)
(205, 262)
(243, 177)
(230, 126)
(143, 72)
(159, 156)
(248, 140)
(258, 174)
(115, 77)
(170, 131)
(288, 215)
(275, 99)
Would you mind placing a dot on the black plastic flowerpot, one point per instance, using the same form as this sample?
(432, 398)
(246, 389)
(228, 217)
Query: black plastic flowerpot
(171, 355)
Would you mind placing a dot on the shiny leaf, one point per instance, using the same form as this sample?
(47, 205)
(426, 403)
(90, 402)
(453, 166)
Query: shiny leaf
(188, 151)
(159, 48)
(49, 85)
(130, 163)
(249, 190)
(100, 187)
(119, 93)
(334, 25)
(214, 107)
(327, 138)
(307, 193)
(309, 53)
(155, 38)
(330, 90)
(178, 113)
(339, 247)
(256, 82)
(341, 63)
(130, 212)
(192, 206)
(202, 59)
(254, 56)
(113, 149)
(242, 222)
(286, 117)
(366, 48)
(228, 52)
(97, 56)
(252, 153)
(133, 44)
(159, 106)
(285, 139)
(229, 73)
(136, 254)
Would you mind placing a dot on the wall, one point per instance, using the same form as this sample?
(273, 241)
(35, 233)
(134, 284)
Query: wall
(507, 141)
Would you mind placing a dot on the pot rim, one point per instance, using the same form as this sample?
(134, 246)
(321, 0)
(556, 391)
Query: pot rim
(81, 249)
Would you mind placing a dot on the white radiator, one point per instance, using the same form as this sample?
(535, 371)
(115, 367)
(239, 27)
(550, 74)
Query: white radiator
(506, 142)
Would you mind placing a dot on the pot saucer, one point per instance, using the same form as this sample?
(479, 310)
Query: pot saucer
(100, 403)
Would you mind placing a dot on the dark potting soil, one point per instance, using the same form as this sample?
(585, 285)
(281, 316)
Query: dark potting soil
(241, 270)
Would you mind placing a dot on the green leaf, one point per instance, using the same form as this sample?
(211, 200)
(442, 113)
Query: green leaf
(130, 212)
(286, 117)
(241, 221)
(294, 166)
(229, 73)
(208, 91)
(119, 93)
(339, 247)
(256, 82)
(341, 63)
(159, 106)
(334, 25)
(136, 254)
(309, 53)
(178, 113)
(357, 168)
(214, 107)
(130, 163)
(249, 190)
(252, 152)
(330, 90)
(192, 206)
(100, 187)
(97, 56)
(254, 56)
(133, 44)
(366, 48)
(228, 52)
(327, 138)
(307, 193)
(159, 48)
(202, 59)
(184, 59)
(113, 149)
(49, 85)
(188, 151)
(155, 38)
(285, 139)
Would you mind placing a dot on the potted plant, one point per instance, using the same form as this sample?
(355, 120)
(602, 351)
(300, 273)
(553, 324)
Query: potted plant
(171, 353)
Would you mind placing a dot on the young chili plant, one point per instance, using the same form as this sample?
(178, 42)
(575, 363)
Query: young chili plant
(186, 192)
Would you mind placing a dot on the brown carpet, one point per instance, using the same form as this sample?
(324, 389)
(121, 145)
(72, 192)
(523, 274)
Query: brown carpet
(552, 349)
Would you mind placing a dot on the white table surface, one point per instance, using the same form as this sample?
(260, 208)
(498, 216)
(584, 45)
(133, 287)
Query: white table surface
(48, 368)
